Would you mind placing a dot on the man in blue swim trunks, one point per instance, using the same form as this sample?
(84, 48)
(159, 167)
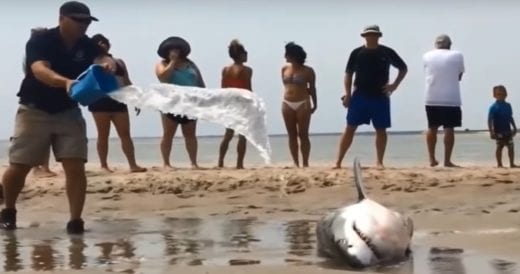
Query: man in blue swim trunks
(370, 99)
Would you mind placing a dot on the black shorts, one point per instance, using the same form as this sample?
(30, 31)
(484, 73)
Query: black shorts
(504, 139)
(445, 116)
(181, 119)
(107, 104)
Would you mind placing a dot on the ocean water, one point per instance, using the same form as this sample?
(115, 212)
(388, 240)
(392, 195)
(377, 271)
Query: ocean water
(403, 149)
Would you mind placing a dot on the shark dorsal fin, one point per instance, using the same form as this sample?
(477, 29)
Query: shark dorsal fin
(358, 180)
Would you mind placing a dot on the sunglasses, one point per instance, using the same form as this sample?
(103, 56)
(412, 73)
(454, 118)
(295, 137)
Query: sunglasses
(86, 21)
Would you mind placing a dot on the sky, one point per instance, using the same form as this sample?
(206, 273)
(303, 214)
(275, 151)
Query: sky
(484, 31)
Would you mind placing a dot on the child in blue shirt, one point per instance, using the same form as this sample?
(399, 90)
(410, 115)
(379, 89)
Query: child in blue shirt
(501, 124)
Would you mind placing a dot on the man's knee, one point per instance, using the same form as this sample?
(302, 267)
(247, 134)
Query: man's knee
(433, 130)
(380, 131)
(449, 130)
(16, 172)
(73, 166)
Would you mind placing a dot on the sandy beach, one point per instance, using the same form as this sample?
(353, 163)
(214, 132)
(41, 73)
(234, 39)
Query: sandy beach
(471, 210)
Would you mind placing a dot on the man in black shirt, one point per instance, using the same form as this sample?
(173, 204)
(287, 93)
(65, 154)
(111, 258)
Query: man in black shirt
(47, 116)
(370, 100)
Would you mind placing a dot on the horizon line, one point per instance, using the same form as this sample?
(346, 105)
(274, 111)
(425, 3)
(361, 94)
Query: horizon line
(393, 132)
(390, 132)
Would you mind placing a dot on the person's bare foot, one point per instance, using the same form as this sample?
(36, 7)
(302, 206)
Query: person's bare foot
(514, 166)
(500, 166)
(137, 169)
(107, 169)
(43, 173)
(240, 167)
(450, 164)
(434, 163)
(168, 167)
(380, 166)
(196, 167)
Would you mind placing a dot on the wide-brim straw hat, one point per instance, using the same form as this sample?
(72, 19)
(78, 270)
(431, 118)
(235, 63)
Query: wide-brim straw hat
(173, 42)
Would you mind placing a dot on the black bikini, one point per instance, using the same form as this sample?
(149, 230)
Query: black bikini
(108, 104)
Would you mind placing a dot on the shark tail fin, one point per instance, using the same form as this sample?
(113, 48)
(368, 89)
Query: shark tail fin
(358, 180)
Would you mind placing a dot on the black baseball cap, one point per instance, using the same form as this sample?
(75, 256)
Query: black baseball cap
(76, 9)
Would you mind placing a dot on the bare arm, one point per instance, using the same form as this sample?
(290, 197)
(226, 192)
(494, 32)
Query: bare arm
(126, 77)
(43, 72)
(222, 77)
(248, 75)
(491, 127)
(348, 89)
(283, 70)
(514, 125)
(462, 69)
(397, 62)
(348, 83)
(312, 89)
(164, 71)
(107, 62)
(400, 76)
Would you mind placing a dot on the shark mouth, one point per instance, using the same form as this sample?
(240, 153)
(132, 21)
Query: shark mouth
(367, 241)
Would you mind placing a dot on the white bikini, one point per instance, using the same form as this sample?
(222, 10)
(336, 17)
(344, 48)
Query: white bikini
(295, 105)
(295, 80)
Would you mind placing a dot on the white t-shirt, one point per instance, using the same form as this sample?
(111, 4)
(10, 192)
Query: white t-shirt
(443, 68)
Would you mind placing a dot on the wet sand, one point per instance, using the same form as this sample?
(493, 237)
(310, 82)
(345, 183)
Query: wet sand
(467, 220)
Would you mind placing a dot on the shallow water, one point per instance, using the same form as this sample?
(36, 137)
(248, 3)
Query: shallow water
(153, 245)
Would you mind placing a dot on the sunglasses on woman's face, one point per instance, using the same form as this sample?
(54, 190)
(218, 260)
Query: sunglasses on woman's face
(86, 21)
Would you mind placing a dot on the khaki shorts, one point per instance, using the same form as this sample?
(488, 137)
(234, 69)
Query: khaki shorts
(37, 131)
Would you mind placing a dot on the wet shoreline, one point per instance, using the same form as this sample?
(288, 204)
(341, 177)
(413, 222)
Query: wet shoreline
(153, 245)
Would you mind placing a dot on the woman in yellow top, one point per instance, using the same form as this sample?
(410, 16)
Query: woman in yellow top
(236, 75)
(299, 83)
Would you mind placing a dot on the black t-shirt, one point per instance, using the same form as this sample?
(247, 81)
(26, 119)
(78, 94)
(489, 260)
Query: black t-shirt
(372, 68)
(48, 46)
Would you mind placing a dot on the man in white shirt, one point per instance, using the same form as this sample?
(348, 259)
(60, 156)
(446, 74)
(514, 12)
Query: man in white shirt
(443, 70)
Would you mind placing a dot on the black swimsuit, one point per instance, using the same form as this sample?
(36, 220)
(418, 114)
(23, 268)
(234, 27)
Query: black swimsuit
(108, 104)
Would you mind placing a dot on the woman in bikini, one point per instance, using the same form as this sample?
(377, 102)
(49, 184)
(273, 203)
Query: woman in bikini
(176, 68)
(236, 75)
(299, 83)
(107, 110)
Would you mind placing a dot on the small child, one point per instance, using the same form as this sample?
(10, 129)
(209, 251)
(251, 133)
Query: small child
(500, 121)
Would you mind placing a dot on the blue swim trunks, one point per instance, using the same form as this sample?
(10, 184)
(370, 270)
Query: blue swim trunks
(364, 109)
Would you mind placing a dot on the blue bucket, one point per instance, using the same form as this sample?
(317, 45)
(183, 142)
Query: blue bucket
(93, 84)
